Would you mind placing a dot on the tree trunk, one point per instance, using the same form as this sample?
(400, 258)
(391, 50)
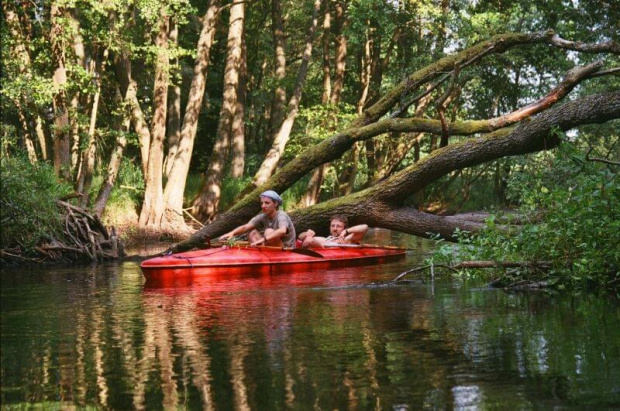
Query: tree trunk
(273, 156)
(88, 161)
(313, 190)
(80, 60)
(327, 83)
(206, 204)
(153, 206)
(364, 75)
(238, 125)
(177, 177)
(114, 165)
(129, 87)
(341, 52)
(174, 110)
(62, 138)
(279, 97)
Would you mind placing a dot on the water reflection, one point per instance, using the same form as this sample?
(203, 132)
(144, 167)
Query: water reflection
(101, 336)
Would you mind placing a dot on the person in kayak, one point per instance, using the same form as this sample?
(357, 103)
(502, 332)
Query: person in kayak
(272, 227)
(339, 234)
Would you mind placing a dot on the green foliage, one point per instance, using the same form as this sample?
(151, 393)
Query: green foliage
(231, 187)
(315, 124)
(572, 208)
(28, 212)
(126, 197)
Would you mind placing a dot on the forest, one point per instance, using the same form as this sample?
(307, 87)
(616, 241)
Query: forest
(491, 124)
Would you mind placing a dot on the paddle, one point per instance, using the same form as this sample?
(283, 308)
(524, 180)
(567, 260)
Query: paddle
(243, 243)
(347, 245)
(304, 251)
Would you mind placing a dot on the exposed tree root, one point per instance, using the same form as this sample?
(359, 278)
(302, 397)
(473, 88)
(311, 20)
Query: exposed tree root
(85, 239)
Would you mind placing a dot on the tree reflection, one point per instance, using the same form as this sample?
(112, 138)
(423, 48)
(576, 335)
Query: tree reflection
(299, 340)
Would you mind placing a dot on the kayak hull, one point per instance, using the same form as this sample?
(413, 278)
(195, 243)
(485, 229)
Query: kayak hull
(228, 261)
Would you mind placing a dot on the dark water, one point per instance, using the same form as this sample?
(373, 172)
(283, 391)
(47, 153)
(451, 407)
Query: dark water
(99, 337)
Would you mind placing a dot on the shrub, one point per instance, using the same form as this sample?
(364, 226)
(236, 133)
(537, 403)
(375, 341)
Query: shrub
(572, 207)
(28, 211)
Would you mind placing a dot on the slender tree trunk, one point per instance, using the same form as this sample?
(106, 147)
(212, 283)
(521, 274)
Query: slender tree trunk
(80, 60)
(177, 177)
(347, 179)
(206, 204)
(153, 206)
(88, 161)
(327, 83)
(279, 98)
(174, 110)
(313, 190)
(273, 156)
(129, 87)
(114, 165)
(43, 138)
(62, 138)
(28, 139)
(365, 65)
(238, 125)
(341, 52)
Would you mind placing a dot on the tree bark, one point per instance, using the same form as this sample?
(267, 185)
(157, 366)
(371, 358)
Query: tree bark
(174, 110)
(238, 123)
(177, 177)
(129, 88)
(205, 206)
(114, 165)
(279, 98)
(327, 83)
(88, 161)
(153, 205)
(341, 52)
(62, 138)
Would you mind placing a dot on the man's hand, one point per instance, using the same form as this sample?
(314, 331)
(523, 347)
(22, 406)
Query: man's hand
(259, 242)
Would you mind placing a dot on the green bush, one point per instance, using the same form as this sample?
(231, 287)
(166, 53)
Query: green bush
(126, 197)
(572, 207)
(28, 211)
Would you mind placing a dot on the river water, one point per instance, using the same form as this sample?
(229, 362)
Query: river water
(99, 337)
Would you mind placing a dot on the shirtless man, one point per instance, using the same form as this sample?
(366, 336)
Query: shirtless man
(339, 234)
(272, 227)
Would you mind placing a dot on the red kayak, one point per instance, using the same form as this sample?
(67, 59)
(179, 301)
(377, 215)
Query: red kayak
(249, 260)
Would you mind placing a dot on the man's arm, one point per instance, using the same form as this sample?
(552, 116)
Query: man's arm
(354, 234)
(239, 230)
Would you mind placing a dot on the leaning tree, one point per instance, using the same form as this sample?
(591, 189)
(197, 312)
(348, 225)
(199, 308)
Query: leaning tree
(534, 127)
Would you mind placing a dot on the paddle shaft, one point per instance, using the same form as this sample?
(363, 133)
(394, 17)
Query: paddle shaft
(245, 244)
(345, 245)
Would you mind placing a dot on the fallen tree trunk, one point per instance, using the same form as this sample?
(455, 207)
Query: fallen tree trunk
(383, 205)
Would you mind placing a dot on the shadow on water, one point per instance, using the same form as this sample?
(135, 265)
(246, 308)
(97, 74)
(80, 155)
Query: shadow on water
(100, 336)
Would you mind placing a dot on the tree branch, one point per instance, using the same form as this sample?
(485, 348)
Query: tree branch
(607, 47)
